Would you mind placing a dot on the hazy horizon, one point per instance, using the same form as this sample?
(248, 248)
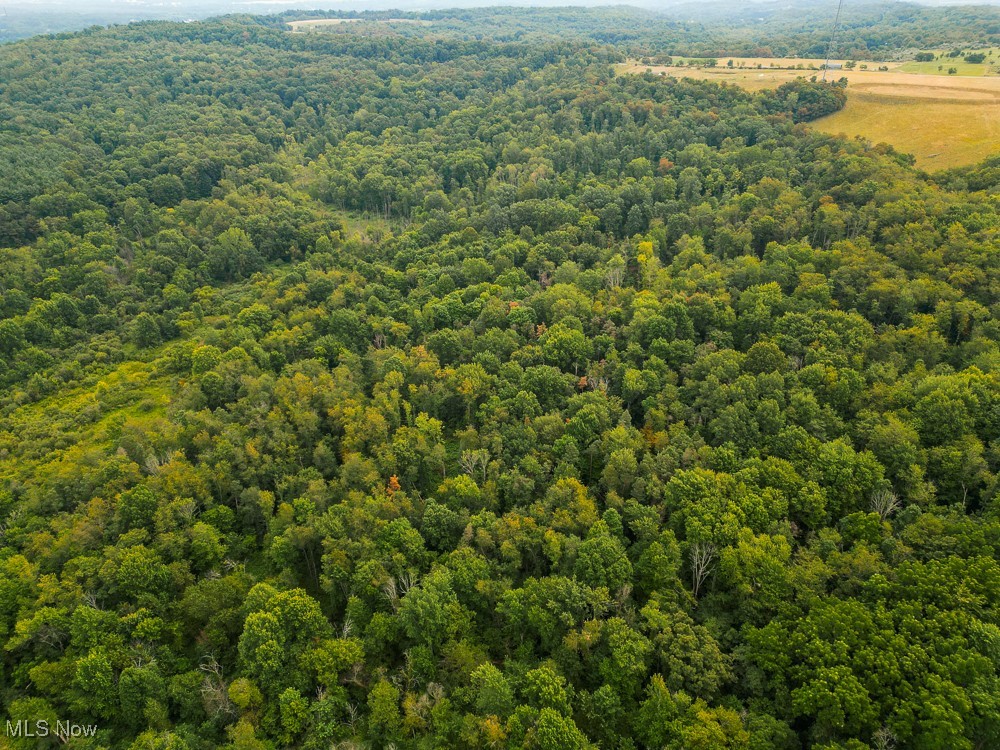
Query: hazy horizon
(202, 8)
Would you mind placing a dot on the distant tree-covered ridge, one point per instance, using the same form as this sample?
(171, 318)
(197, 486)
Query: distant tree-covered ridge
(868, 29)
(421, 391)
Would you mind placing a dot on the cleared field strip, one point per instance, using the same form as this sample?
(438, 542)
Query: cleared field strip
(806, 63)
(311, 25)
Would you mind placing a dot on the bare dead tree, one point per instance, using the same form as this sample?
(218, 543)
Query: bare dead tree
(152, 464)
(885, 503)
(353, 714)
(90, 600)
(355, 676)
(408, 677)
(469, 461)
(210, 666)
(396, 588)
(474, 462)
(614, 276)
(406, 582)
(702, 557)
(884, 739)
(52, 636)
(214, 694)
(391, 592)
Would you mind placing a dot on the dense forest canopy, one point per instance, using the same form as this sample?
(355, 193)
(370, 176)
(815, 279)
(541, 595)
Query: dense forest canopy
(416, 390)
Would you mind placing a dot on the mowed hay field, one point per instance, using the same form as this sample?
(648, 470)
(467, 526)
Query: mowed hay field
(940, 133)
(319, 23)
(944, 121)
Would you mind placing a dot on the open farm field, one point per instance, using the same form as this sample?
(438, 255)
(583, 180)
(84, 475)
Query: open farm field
(319, 23)
(791, 65)
(770, 63)
(944, 121)
(940, 133)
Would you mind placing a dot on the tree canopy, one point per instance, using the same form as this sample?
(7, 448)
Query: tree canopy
(425, 391)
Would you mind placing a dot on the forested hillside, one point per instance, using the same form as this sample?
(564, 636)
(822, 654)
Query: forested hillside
(799, 28)
(430, 392)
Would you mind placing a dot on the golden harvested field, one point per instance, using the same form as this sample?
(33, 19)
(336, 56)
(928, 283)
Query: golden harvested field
(940, 133)
(808, 63)
(944, 121)
(302, 26)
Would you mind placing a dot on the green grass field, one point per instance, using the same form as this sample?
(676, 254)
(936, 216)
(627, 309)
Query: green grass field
(941, 66)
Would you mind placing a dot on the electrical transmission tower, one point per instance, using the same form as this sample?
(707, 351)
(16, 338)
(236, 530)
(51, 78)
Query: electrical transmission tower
(833, 37)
